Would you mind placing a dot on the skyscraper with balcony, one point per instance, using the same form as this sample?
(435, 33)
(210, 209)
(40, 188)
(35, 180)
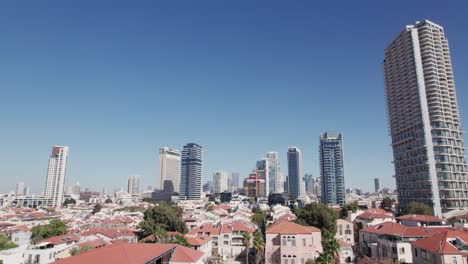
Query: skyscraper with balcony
(377, 185)
(262, 169)
(424, 120)
(275, 178)
(133, 186)
(332, 169)
(220, 181)
(56, 170)
(295, 172)
(191, 172)
(169, 169)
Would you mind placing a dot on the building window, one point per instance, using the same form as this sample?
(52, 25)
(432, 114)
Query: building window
(402, 250)
(293, 242)
(304, 243)
(415, 252)
(293, 261)
(285, 261)
(340, 228)
(454, 260)
(226, 243)
(284, 241)
(226, 236)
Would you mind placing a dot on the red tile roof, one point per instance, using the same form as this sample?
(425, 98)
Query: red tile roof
(439, 243)
(420, 218)
(110, 233)
(369, 215)
(57, 240)
(198, 241)
(186, 255)
(290, 228)
(93, 243)
(136, 253)
(288, 217)
(390, 228)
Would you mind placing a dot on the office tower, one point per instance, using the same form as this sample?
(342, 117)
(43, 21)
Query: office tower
(26, 191)
(309, 183)
(133, 186)
(169, 168)
(19, 189)
(233, 181)
(275, 178)
(317, 186)
(56, 171)
(377, 185)
(262, 168)
(220, 181)
(424, 120)
(331, 168)
(295, 172)
(191, 172)
(254, 186)
(76, 189)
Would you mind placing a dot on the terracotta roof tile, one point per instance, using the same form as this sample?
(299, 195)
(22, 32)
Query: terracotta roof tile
(439, 243)
(290, 228)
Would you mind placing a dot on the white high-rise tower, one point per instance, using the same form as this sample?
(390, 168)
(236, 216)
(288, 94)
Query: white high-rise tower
(56, 175)
(276, 182)
(133, 186)
(169, 169)
(424, 121)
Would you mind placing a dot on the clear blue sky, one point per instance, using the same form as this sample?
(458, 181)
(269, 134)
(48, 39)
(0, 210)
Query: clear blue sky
(115, 81)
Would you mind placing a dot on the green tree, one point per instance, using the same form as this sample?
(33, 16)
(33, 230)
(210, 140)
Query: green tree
(69, 201)
(160, 234)
(417, 208)
(148, 200)
(54, 228)
(353, 207)
(108, 201)
(180, 240)
(5, 243)
(259, 246)
(166, 215)
(246, 241)
(324, 258)
(310, 261)
(387, 203)
(97, 208)
(318, 215)
(258, 217)
(331, 246)
(77, 250)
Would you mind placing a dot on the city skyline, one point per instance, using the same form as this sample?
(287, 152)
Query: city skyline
(132, 151)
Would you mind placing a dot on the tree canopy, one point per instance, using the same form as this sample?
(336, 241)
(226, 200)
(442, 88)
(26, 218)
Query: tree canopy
(108, 201)
(97, 208)
(387, 203)
(77, 250)
(318, 215)
(5, 243)
(165, 215)
(69, 201)
(54, 228)
(417, 208)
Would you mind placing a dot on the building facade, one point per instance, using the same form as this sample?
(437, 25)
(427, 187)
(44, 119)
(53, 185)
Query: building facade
(133, 186)
(424, 120)
(263, 172)
(191, 172)
(332, 169)
(275, 177)
(377, 185)
(169, 168)
(295, 172)
(56, 170)
(220, 181)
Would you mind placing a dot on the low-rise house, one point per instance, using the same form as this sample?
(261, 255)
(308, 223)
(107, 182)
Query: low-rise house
(446, 247)
(345, 231)
(416, 220)
(45, 251)
(390, 240)
(346, 253)
(288, 242)
(201, 243)
(110, 234)
(373, 217)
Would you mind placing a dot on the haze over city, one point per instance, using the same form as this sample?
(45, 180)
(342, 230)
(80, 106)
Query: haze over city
(116, 82)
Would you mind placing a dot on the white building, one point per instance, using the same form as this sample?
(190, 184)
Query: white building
(56, 171)
(424, 120)
(20, 188)
(276, 182)
(133, 186)
(169, 168)
(220, 181)
(263, 172)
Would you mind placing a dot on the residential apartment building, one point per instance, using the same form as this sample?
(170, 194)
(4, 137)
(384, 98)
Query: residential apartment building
(169, 169)
(191, 172)
(345, 231)
(424, 120)
(291, 243)
(220, 181)
(449, 247)
(332, 168)
(56, 170)
(275, 177)
(295, 172)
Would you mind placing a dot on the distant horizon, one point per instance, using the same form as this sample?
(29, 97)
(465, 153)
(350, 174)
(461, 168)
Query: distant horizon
(117, 81)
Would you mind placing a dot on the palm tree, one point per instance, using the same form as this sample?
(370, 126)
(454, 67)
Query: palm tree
(324, 258)
(331, 246)
(259, 246)
(159, 234)
(246, 241)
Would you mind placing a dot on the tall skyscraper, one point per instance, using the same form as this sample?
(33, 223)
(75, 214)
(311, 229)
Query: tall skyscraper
(233, 181)
(377, 185)
(424, 120)
(133, 186)
(191, 172)
(309, 183)
(275, 178)
(20, 189)
(262, 168)
(76, 189)
(56, 171)
(331, 168)
(169, 169)
(220, 181)
(295, 172)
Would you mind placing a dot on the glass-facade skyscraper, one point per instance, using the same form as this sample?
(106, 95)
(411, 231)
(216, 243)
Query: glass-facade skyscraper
(332, 169)
(191, 172)
(424, 121)
(275, 178)
(294, 172)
